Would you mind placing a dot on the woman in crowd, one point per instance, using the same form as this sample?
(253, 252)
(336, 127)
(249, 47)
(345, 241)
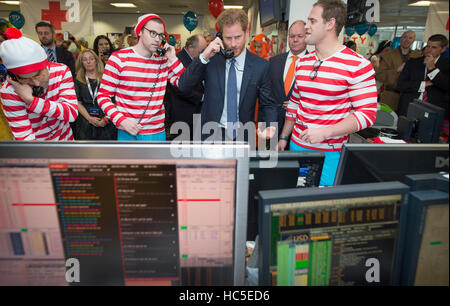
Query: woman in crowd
(91, 124)
(103, 48)
(260, 46)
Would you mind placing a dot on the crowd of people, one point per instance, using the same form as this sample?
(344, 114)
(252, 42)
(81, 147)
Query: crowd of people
(144, 90)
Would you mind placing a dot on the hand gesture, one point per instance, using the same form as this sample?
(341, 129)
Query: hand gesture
(213, 48)
(429, 62)
(170, 52)
(23, 90)
(400, 69)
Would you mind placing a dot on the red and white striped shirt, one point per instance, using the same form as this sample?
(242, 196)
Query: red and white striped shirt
(131, 78)
(46, 118)
(344, 86)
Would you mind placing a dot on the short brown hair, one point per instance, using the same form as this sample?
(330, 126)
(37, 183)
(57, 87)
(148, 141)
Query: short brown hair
(231, 17)
(441, 38)
(334, 9)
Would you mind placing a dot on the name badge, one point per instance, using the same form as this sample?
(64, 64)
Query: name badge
(94, 111)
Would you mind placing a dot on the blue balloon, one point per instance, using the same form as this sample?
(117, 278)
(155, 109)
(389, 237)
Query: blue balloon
(349, 31)
(190, 21)
(372, 29)
(17, 19)
(172, 40)
(361, 28)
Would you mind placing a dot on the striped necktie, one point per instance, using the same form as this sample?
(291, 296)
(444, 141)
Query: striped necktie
(50, 55)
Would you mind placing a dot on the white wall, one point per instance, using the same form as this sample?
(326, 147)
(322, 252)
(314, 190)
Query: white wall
(115, 23)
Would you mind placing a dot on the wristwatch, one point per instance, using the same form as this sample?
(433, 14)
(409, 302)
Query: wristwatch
(284, 138)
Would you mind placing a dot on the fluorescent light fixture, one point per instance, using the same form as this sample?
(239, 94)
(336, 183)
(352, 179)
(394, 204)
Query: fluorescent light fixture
(10, 2)
(420, 3)
(233, 7)
(123, 4)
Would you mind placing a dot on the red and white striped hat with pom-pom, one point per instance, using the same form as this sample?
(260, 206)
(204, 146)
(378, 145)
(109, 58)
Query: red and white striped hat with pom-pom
(22, 55)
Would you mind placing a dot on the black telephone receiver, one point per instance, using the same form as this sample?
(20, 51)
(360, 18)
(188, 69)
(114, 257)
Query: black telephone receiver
(37, 90)
(227, 53)
(161, 51)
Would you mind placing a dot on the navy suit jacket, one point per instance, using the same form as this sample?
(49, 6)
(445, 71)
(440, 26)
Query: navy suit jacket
(411, 77)
(65, 57)
(277, 64)
(183, 106)
(255, 85)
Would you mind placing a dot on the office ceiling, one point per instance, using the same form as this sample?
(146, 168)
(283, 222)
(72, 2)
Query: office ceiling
(393, 12)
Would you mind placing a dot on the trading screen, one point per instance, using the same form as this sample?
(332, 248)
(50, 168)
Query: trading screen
(133, 222)
(328, 242)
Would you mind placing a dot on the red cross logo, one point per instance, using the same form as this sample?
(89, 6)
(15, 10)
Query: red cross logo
(54, 14)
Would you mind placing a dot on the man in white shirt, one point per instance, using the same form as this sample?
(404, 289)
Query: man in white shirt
(282, 69)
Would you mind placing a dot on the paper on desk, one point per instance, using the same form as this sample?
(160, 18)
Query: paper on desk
(390, 140)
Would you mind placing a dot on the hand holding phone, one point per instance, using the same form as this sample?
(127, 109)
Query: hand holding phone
(227, 53)
(36, 91)
(161, 51)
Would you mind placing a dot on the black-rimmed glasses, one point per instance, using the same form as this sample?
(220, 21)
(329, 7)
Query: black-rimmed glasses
(315, 70)
(153, 34)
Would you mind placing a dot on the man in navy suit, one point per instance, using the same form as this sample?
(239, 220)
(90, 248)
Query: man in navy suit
(182, 107)
(280, 65)
(232, 85)
(426, 77)
(46, 34)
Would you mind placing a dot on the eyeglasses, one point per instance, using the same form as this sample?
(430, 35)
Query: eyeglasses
(153, 34)
(35, 77)
(315, 70)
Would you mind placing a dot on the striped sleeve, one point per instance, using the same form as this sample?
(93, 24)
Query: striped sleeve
(65, 108)
(362, 92)
(16, 113)
(175, 71)
(108, 88)
(292, 108)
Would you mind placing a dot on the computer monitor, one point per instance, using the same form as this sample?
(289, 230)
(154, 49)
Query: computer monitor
(426, 231)
(343, 235)
(427, 121)
(368, 163)
(280, 169)
(130, 213)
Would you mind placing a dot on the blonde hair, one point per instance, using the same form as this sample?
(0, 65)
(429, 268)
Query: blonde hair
(81, 71)
(231, 17)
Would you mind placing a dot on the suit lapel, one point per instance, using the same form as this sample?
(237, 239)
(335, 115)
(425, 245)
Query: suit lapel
(220, 68)
(246, 76)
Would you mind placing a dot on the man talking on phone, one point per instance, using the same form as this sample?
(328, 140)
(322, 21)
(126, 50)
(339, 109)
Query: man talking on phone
(136, 77)
(38, 98)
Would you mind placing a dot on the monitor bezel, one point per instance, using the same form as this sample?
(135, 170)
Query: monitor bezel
(349, 147)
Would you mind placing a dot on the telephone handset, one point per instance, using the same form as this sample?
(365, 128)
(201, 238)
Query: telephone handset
(161, 51)
(37, 90)
(227, 53)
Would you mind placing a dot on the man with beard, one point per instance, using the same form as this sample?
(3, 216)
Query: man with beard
(46, 34)
(232, 83)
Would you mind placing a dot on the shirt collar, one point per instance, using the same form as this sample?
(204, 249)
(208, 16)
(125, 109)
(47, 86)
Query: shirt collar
(290, 55)
(240, 59)
(52, 48)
